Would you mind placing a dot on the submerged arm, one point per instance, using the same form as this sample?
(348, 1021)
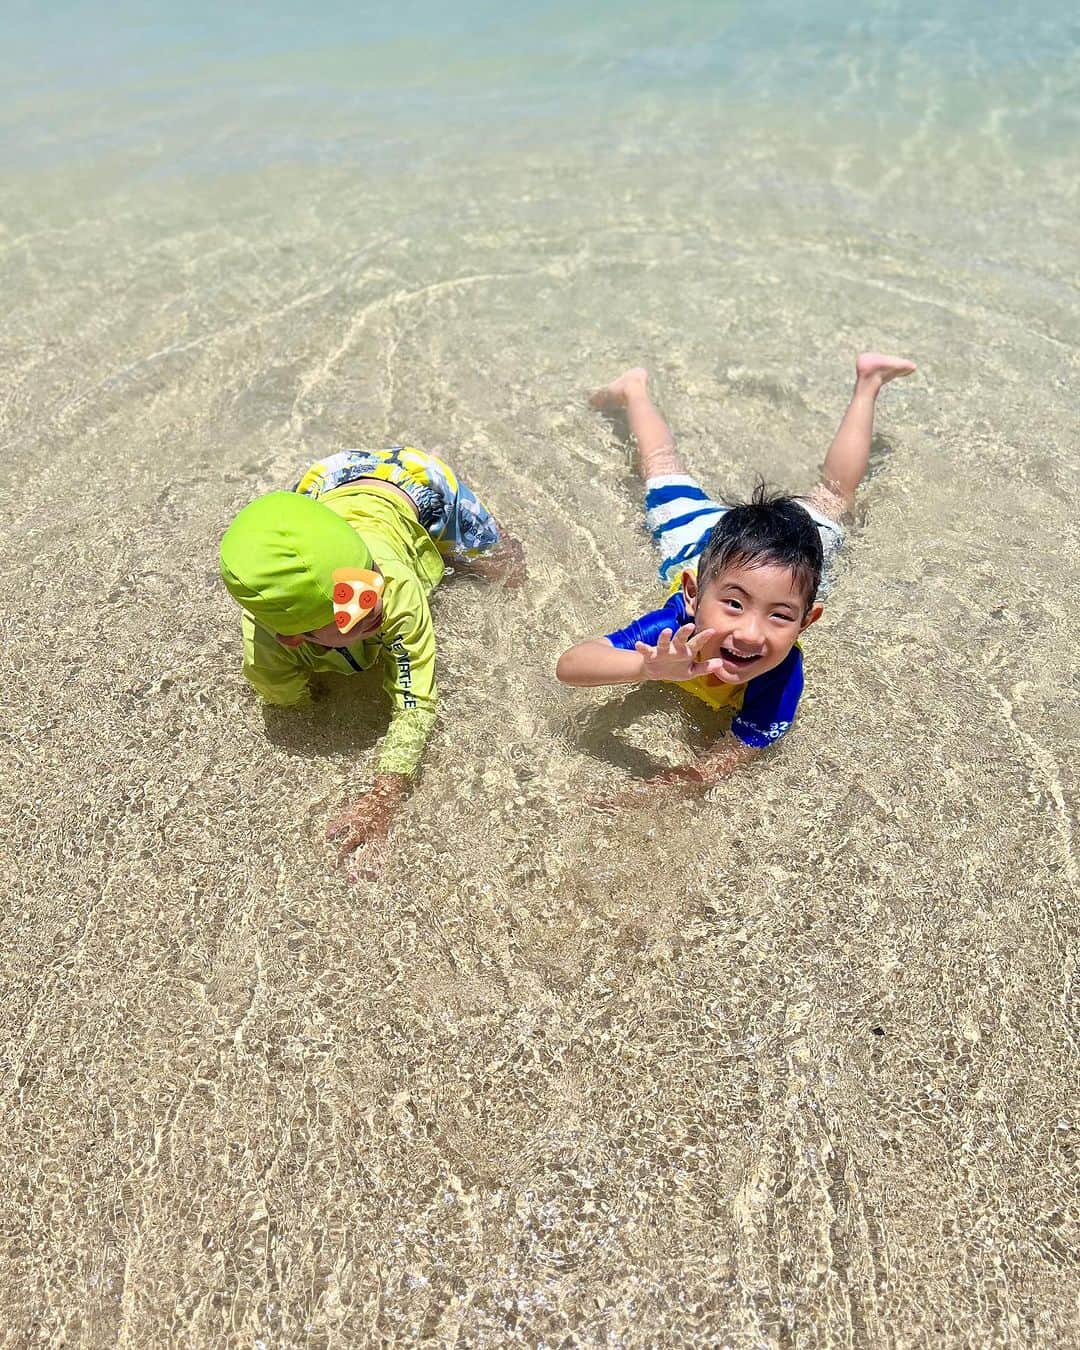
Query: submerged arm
(717, 762)
(685, 780)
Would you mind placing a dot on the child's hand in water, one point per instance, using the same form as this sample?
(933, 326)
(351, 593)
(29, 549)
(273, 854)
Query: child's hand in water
(682, 780)
(688, 780)
(367, 824)
(675, 657)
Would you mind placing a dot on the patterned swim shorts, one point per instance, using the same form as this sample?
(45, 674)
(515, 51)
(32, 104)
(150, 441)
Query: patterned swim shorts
(460, 525)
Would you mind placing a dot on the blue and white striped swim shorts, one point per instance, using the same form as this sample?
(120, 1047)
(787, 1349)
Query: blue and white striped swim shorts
(680, 515)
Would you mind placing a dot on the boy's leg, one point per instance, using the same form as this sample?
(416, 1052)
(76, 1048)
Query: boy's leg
(504, 562)
(464, 531)
(629, 394)
(678, 511)
(849, 454)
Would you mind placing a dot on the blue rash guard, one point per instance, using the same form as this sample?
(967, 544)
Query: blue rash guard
(764, 706)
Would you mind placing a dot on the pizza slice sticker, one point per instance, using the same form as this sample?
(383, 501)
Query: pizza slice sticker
(356, 593)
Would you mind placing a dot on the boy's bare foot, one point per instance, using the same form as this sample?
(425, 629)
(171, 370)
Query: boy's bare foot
(881, 369)
(616, 394)
(505, 563)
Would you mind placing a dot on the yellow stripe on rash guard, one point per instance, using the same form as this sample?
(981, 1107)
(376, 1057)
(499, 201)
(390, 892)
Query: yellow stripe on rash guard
(720, 695)
(715, 695)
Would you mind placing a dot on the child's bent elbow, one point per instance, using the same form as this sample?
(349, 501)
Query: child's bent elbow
(573, 667)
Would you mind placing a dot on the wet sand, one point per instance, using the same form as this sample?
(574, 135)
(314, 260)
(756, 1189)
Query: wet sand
(795, 1067)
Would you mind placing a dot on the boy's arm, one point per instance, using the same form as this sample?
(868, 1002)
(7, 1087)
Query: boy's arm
(685, 780)
(271, 669)
(598, 661)
(409, 679)
(721, 759)
(408, 635)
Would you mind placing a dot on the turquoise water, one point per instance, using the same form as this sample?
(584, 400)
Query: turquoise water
(790, 1066)
(966, 73)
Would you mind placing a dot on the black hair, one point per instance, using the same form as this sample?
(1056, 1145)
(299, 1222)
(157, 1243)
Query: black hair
(770, 528)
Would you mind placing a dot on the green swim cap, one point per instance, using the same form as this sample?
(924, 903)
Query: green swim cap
(278, 557)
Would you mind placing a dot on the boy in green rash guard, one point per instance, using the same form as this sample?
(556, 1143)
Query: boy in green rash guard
(335, 576)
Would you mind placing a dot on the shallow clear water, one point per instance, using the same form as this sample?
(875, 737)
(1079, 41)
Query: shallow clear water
(795, 1067)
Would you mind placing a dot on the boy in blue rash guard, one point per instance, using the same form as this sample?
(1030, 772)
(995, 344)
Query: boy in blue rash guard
(744, 581)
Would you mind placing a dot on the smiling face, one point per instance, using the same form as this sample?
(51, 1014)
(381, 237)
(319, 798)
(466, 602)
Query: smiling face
(330, 635)
(757, 614)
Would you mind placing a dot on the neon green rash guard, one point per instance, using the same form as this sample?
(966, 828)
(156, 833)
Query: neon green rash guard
(404, 645)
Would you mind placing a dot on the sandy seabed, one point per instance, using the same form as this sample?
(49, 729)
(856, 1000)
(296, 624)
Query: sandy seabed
(795, 1067)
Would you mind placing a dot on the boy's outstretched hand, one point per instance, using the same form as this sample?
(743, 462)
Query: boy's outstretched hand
(366, 825)
(675, 656)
